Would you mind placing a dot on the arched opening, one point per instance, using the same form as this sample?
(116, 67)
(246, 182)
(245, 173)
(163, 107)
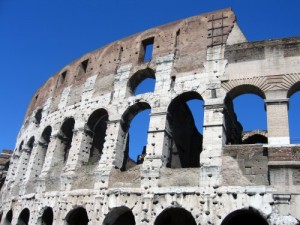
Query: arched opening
(184, 137)
(245, 217)
(24, 217)
(294, 112)
(61, 79)
(21, 146)
(38, 116)
(135, 134)
(8, 218)
(142, 81)
(97, 125)
(77, 216)
(65, 135)
(47, 217)
(175, 216)
(42, 150)
(83, 68)
(254, 138)
(119, 216)
(245, 112)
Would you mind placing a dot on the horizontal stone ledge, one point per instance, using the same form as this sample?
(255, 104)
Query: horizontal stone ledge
(284, 163)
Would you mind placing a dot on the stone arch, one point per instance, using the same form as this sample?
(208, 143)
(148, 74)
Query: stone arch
(244, 216)
(234, 128)
(138, 77)
(293, 89)
(8, 218)
(24, 217)
(184, 140)
(47, 216)
(38, 116)
(96, 131)
(255, 137)
(175, 216)
(126, 119)
(65, 136)
(77, 216)
(42, 150)
(119, 216)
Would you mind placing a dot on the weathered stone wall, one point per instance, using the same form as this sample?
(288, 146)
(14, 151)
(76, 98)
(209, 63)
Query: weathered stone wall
(58, 175)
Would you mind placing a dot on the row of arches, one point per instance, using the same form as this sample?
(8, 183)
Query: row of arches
(124, 216)
(183, 128)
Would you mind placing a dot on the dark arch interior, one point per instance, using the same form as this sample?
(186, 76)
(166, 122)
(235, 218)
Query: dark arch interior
(256, 139)
(46, 135)
(24, 217)
(38, 116)
(139, 77)
(30, 143)
(175, 216)
(97, 124)
(78, 217)
(127, 118)
(119, 216)
(185, 141)
(21, 146)
(245, 217)
(47, 217)
(66, 135)
(8, 218)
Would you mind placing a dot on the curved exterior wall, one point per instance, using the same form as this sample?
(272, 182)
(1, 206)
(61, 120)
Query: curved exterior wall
(203, 57)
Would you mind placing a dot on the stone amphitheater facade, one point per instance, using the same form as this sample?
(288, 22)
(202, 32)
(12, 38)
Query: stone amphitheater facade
(71, 163)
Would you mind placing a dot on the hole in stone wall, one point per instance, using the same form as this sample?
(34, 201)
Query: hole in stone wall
(8, 218)
(47, 217)
(77, 216)
(175, 216)
(83, 67)
(142, 81)
(61, 78)
(147, 50)
(246, 217)
(245, 115)
(24, 217)
(185, 120)
(97, 125)
(66, 135)
(38, 116)
(119, 216)
(136, 118)
(294, 118)
(21, 146)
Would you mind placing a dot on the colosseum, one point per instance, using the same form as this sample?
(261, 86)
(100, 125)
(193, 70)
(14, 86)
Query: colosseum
(71, 163)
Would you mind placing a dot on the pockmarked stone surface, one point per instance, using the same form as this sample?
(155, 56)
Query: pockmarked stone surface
(71, 163)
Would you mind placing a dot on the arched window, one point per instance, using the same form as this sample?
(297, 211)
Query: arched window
(119, 216)
(175, 216)
(8, 218)
(83, 68)
(97, 125)
(65, 135)
(134, 146)
(47, 217)
(245, 217)
(294, 112)
(61, 79)
(41, 151)
(24, 217)
(142, 81)
(184, 137)
(38, 116)
(77, 216)
(245, 112)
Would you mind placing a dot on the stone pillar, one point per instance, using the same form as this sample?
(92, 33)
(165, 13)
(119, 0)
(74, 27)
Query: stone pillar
(112, 153)
(79, 151)
(213, 141)
(157, 150)
(278, 124)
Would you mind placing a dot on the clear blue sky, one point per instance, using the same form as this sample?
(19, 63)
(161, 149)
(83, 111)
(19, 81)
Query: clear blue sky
(38, 37)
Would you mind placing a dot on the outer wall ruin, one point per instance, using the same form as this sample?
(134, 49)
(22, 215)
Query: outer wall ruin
(71, 163)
